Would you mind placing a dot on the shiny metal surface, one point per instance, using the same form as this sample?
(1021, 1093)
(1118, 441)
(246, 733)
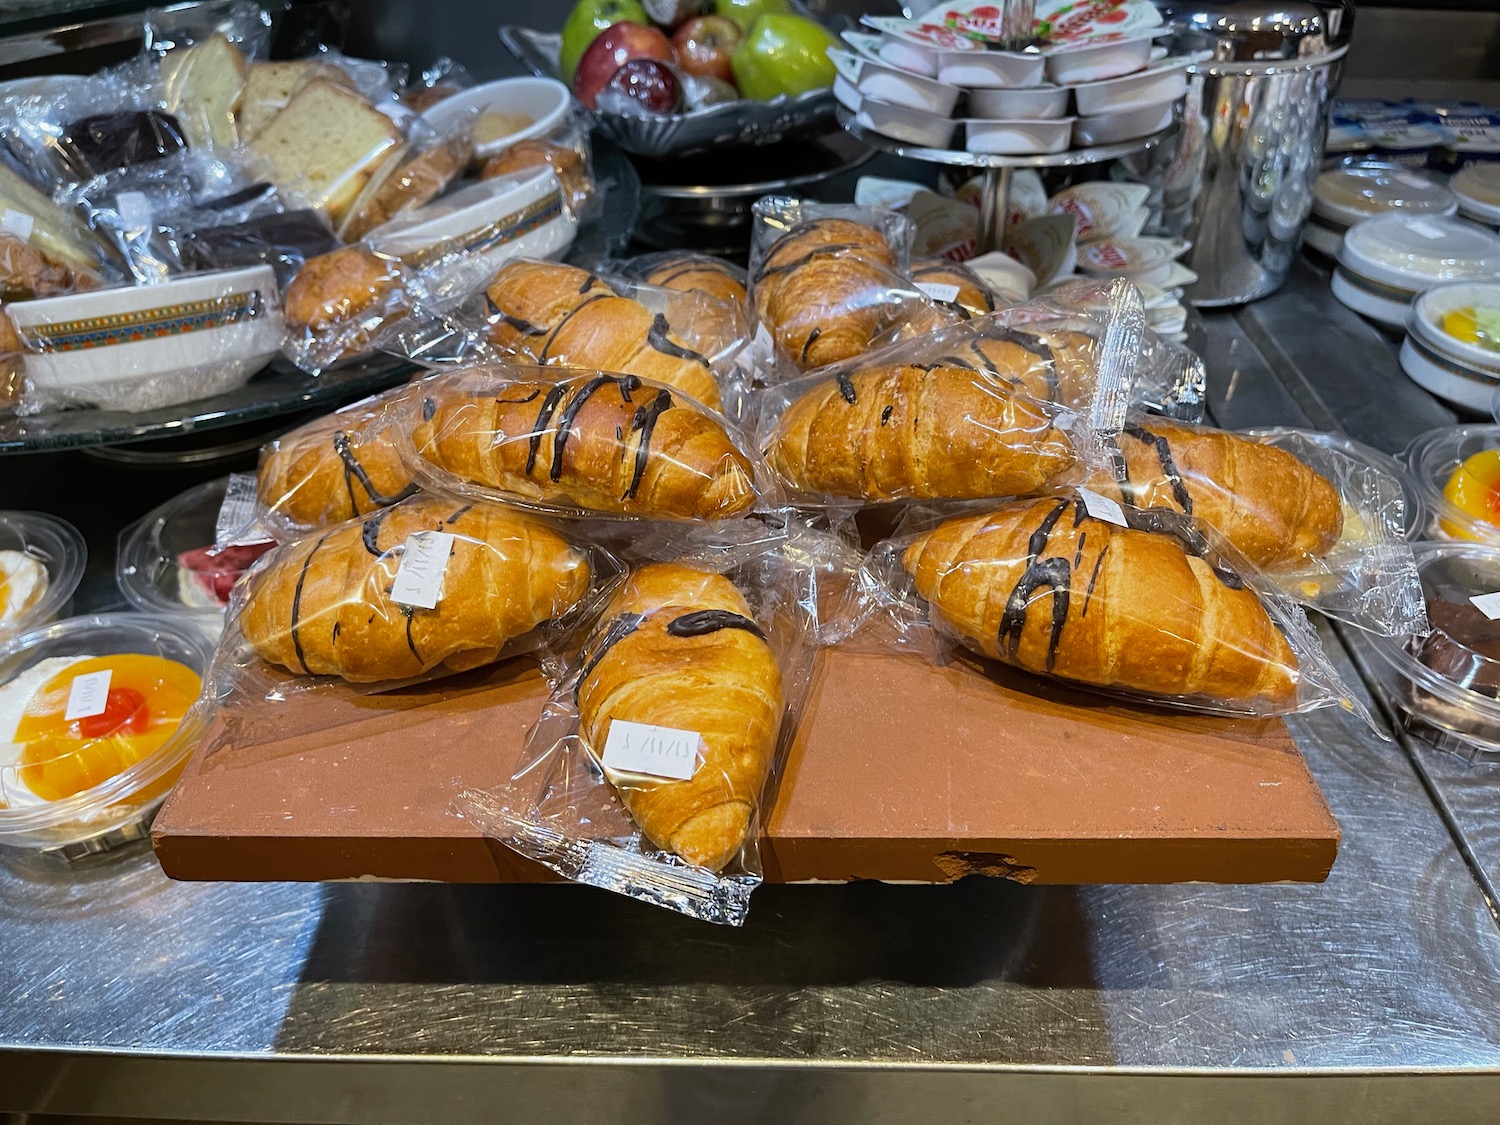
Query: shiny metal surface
(1255, 32)
(1372, 998)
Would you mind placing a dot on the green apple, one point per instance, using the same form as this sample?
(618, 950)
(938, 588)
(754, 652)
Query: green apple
(783, 54)
(587, 19)
(746, 12)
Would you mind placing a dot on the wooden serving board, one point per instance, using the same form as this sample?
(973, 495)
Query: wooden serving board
(900, 770)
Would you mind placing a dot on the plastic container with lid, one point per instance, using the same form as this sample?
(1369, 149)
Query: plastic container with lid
(73, 786)
(1477, 189)
(1385, 262)
(1348, 195)
(1447, 684)
(168, 563)
(1432, 459)
(1443, 362)
(41, 564)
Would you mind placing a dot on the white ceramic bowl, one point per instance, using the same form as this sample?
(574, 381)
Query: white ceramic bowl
(544, 100)
(1126, 125)
(478, 228)
(987, 70)
(902, 123)
(152, 346)
(1040, 103)
(1100, 61)
(1018, 138)
(1165, 81)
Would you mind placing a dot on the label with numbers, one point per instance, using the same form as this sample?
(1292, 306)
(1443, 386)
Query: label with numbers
(18, 223)
(938, 291)
(1487, 604)
(655, 751)
(419, 578)
(88, 695)
(236, 523)
(1102, 507)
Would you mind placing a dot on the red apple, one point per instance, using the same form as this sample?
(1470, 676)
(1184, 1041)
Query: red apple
(615, 46)
(647, 84)
(705, 45)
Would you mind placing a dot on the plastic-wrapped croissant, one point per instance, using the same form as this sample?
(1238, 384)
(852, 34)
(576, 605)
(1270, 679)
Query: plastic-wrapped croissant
(697, 272)
(323, 605)
(334, 469)
(917, 431)
(678, 648)
(603, 442)
(556, 314)
(973, 297)
(823, 290)
(1043, 586)
(1274, 509)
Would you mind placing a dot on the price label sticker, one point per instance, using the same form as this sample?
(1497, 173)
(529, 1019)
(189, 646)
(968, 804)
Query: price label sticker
(651, 750)
(1488, 604)
(17, 223)
(1102, 507)
(88, 695)
(1427, 230)
(938, 291)
(237, 524)
(134, 209)
(419, 578)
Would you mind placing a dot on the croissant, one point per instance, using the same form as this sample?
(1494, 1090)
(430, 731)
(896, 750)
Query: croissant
(324, 607)
(678, 648)
(564, 316)
(973, 297)
(1043, 586)
(1049, 364)
(605, 442)
(823, 290)
(337, 287)
(686, 272)
(334, 469)
(913, 430)
(1274, 509)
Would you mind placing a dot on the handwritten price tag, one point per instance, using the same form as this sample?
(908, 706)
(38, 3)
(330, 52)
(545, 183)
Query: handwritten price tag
(419, 578)
(655, 751)
(88, 695)
(939, 291)
(1102, 507)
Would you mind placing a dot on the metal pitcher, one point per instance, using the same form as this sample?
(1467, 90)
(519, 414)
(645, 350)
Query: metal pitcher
(1238, 181)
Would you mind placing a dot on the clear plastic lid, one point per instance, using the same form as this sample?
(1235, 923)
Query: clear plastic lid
(1448, 683)
(168, 560)
(1478, 187)
(41, 564)
(1456, 472)
(1417, 252)
(1348, 195)
(91, 726)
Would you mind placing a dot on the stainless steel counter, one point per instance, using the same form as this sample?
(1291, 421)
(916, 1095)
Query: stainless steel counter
(1373, 998)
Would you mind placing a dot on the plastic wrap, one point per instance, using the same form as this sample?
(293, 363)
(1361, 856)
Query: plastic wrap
(180, 558)
(430, 161)
(1455, 470)
(45, 250)
(570, 442)
(283, 240)
(41, 563)
(569, 153)
(440, 81)
(686, 270)
(343, 304)
(426, 587)
(147, 347)
(954, 288)
(977, 410)
(647, 771)
(96, 727)
(1149, 605)
(827, 280)
(333, 469)
(564, 316)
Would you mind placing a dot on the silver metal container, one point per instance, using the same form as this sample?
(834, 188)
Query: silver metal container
(1238, 182)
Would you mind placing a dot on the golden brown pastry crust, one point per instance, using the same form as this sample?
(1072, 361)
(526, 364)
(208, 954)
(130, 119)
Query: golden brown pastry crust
(572, 172)
(334, 469)
(563, 316)
(974, 297)
(603, 442)
(323, 605)
(415, 183)
(678, 647)
(27, 272)
(1274, 509)
(913, 430)
(1041, 585)
(338, 286)
(698, 272)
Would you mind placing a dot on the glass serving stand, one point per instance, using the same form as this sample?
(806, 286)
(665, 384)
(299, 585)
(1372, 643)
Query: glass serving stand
(996, 169)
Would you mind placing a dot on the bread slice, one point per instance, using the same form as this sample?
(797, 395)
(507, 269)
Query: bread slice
(269, 86)
(204, 85)
(415, 182)
(56, 232)
(324, 146)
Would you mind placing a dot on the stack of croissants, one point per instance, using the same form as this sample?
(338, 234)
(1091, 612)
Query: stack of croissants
(611, 407)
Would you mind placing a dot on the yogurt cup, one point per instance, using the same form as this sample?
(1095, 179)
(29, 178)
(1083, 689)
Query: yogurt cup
(1017, 138)
(902, 123)
(893, 85)
(1477, 189)
(1096, 61)
(1348, 195)
(1385, 262)
(1449, 367)
(1164, 81)
(41, 562)
(1039, 103)
(118, 808)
